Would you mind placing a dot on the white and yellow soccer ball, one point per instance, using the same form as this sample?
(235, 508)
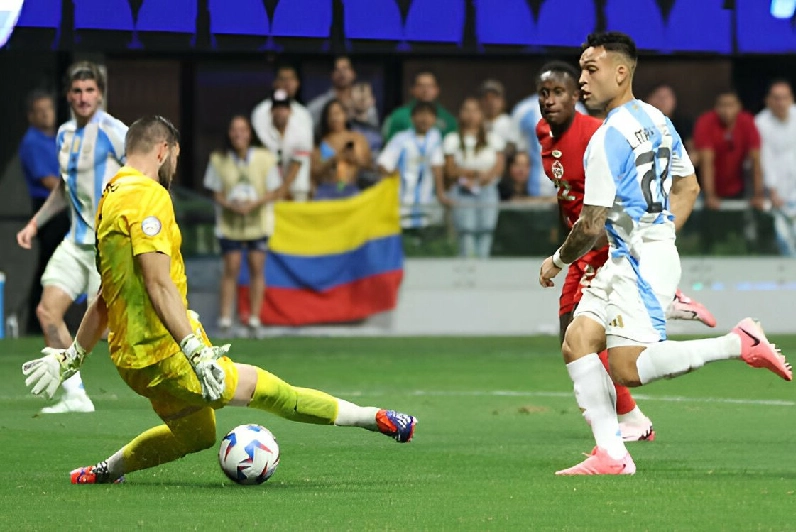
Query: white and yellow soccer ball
(249, 454)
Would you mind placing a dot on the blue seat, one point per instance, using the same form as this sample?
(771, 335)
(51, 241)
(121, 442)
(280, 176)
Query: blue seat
(641, 19)
(758, 31)
(174, 16)
(565, 22)
(505, 22)
(373, 19)
(435, 21)
(103, 15)
(40, 14)
(243, 17)
(302, 18)
(703, 26)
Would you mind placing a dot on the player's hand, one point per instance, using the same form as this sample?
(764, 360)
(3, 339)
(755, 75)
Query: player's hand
(759, 202)
(713, 203)
(45, 374)
(204, 361)
(26, 236)
(547, 273)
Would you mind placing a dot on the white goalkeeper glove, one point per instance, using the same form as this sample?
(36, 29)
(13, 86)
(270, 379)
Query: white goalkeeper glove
(203, 360)
(45, 374)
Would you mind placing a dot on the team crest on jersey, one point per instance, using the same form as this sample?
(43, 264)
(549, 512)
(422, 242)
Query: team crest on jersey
(558, 169)
(557, 154)
(151, 226)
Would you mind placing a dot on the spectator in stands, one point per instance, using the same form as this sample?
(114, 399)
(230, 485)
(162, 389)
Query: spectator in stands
(343, 77)
(39, 157)
(777, 126)
(287, 80)
(289, 137)
(493, 104)
(474, 160)
(339, 156)
(362, 101)
(663, 97)
(514, 184)
(727, 140)
(424, 89)
(417, 156)
(243, 179)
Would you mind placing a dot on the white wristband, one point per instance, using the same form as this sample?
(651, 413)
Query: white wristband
(190, 345)
(557, 260)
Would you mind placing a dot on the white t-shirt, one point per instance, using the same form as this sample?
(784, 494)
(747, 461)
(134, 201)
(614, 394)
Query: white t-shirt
(296, 144)
(778, 152)
(466, 157)
(503, 126)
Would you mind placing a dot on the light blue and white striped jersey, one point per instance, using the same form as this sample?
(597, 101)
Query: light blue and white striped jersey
(414, 157)
(89, 157)
(525, 116)
(629, 166)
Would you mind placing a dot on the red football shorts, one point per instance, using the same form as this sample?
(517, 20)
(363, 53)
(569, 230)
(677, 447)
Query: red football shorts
(579, 276)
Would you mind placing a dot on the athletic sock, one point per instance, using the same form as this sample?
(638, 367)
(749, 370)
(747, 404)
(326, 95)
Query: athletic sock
(74, 385)
(635, 416)
(672, 359)
(305, 405)
(351, 415)
(594, 393)
(624, 399)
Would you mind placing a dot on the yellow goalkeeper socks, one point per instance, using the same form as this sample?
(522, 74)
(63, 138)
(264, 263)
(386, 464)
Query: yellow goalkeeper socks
(305, 405)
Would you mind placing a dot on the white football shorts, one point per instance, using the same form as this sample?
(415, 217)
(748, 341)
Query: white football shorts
(629, 296)
(73, 269)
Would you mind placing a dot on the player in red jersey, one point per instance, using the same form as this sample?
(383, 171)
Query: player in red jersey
(564, 134)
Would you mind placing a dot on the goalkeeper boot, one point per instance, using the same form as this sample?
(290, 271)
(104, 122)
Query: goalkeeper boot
(685, 308)
(96, 474)
(400, 427)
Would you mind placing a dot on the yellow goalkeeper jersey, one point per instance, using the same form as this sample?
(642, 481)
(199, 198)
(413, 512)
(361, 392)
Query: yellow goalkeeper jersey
(136, 216)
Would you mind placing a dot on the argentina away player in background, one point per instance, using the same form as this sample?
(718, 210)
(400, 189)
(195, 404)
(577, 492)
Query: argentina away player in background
(640, 188)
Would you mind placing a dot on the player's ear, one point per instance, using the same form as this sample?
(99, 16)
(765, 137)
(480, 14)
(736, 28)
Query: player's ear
(622, 73)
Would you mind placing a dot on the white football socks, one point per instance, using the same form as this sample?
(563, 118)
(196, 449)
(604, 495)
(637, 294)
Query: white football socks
(596, 396)
(351, 415)
(671, 359)
(73, 385)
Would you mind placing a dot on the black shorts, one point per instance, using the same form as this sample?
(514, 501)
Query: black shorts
(230, 246)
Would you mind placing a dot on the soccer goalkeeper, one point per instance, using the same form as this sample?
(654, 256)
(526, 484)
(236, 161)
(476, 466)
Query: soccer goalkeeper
(156, 343)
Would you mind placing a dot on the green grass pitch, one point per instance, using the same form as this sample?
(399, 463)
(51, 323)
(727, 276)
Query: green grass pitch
(496, 420)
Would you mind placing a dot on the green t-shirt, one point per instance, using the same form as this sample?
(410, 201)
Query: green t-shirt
(401, 120)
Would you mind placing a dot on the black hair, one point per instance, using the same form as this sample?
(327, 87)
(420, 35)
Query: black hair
(728, 91)
(323, 127)
(227, 143)
(84, 70)
(481, 140)
(559, 67)
(613, 41)
(145, 132)
(36, 95)
(427, 107)
(779, 81)
(286, 66)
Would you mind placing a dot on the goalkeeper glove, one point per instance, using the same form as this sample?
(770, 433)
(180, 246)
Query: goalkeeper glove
(45, 374)
(203, 360)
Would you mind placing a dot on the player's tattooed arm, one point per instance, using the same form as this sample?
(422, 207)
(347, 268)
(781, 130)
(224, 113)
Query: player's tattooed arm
(589, 227)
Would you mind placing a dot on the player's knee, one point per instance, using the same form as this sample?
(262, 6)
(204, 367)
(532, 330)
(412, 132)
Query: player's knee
(624, 370)
(45, 314)
(579, 341)
(201, 439)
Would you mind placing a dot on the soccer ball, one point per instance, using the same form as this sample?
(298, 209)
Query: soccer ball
(249, 454)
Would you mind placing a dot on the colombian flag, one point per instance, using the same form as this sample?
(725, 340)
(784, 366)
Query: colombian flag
(333, 261)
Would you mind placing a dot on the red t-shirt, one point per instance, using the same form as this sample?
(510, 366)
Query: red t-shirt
(730, 149)
(562, 159)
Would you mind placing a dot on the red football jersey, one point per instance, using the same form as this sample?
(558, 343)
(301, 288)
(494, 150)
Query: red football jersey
(562, 159)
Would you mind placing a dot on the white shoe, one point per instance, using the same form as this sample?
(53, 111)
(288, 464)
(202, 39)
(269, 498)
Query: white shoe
(75, 402)
(637, 431)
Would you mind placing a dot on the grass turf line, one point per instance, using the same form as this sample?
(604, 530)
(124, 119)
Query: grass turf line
(479, 462)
